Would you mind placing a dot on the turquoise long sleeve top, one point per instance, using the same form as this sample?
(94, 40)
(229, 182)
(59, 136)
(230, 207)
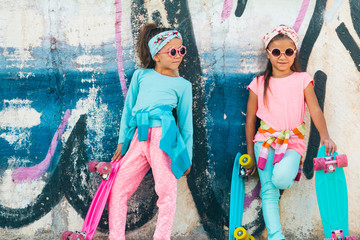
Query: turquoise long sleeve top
(149, 102)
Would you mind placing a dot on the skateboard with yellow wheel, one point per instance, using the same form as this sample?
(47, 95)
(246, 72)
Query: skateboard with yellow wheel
(237, 197)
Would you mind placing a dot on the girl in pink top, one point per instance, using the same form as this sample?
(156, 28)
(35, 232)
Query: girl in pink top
(277, 96)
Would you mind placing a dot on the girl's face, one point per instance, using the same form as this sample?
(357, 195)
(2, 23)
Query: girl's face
(281, 64)
(165, 64)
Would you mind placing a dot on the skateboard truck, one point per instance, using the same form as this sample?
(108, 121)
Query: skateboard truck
(338, 235)
(102, 168)
(328, 163)
(68, 235)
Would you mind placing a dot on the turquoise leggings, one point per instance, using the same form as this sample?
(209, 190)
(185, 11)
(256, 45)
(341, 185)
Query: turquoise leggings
(272, 178)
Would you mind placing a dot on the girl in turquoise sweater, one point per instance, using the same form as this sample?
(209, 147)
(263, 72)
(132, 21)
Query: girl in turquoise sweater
(149, 136)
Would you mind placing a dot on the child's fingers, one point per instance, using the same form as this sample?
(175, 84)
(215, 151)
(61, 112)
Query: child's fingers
(117, 154)
(116, 157)
(328, 148)
(333, 147)
(251, 171)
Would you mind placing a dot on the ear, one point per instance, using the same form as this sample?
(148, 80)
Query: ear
(156, 58)
(267, 54)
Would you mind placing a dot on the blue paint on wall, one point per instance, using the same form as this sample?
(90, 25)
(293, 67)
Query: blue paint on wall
(51, 92)
(226, 126)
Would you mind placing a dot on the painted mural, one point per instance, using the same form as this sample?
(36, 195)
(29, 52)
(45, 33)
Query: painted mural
(65, 67)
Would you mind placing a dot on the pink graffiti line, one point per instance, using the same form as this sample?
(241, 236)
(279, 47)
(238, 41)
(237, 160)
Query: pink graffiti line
(252, 196)
(119, 47)
(227, 7)
(29, 174)
(301, 15)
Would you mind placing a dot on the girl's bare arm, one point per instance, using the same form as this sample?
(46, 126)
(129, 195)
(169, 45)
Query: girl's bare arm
(319, 120)
(250, 126)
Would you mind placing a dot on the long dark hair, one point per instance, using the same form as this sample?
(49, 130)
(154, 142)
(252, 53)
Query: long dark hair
(142, 48)
(268, 71)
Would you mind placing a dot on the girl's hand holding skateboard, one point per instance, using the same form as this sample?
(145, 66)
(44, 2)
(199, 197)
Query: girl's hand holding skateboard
(117, 154)
(252, 170)
(330, 146)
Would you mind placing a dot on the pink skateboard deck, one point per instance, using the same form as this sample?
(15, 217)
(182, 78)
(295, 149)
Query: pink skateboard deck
(98, 204)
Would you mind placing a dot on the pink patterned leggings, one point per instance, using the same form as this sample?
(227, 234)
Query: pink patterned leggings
(135, 164)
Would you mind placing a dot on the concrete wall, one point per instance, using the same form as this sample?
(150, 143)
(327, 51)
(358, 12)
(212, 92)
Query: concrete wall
(65, 67)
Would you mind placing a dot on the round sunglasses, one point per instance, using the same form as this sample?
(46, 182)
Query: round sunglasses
(289, 52)
(173, 52)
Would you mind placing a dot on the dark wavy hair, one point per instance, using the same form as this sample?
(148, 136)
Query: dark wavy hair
(268, 71)
(142, 48)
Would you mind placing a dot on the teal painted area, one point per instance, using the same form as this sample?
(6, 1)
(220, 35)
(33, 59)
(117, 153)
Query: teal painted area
(226, 98)
(331, 193)
(237, 196)
(51, 94)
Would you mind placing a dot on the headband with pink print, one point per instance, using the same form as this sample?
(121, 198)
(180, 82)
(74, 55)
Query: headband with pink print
(287, 31)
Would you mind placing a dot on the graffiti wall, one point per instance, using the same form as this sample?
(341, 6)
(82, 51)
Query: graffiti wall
(65, 67)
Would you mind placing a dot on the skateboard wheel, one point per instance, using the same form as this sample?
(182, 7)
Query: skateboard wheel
(251, 238)
(104, 168)
(77, 236)
(65, 235)
(241, 233)
(92, 165)
(246, 161)
(341, 161)
(319, 163)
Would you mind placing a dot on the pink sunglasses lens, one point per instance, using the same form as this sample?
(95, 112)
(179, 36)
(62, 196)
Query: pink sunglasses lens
(276, 52)
(289, 52)
(182, 51)
(173, 52)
